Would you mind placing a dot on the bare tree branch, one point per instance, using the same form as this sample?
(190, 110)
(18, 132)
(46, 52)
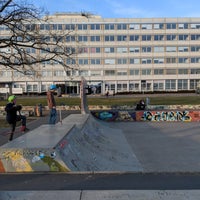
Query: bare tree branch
(26, 43)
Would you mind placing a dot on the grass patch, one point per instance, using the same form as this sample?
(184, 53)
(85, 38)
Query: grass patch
(110, 101)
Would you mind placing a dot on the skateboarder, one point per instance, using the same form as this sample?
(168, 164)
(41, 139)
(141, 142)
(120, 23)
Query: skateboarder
(52, 104)
(12, 117)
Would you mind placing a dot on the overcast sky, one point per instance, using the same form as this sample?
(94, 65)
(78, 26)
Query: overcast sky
(124, 8)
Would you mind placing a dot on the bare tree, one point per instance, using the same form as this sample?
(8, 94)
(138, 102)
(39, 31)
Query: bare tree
(26, 43)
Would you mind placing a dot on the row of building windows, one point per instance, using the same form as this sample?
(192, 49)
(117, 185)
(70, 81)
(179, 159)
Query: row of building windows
(111, 72)
(137, 49)
(113, 38)
(131, 38)
(171, 84)
(109, 26)
(125, 61)
(182, 84)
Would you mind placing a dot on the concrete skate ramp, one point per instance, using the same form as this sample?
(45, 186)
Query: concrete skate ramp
(97, 147)
(80, 143)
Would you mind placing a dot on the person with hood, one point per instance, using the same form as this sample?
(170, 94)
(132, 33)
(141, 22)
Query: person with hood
(52, 104)
(12, 117)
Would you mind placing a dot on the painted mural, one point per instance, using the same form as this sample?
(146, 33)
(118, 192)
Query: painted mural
(150, 116)
(30, 160)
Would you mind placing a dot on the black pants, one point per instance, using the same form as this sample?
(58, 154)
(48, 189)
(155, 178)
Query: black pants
(13, 124)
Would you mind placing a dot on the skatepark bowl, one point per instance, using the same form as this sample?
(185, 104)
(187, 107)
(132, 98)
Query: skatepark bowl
(84, 143)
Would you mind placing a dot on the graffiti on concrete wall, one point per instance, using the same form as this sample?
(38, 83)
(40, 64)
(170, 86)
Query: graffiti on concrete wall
(166, 116)
(115, 115)
(30, 160)
(147, 115)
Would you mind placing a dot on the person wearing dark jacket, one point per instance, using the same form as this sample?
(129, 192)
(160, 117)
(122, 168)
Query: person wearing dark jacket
(12, 117)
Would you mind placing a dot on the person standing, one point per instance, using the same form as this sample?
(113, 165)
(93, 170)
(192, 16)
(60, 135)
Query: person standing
(11, 115)
(52, 104)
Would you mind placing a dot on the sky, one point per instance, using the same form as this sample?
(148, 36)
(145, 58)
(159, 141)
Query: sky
(124, 8)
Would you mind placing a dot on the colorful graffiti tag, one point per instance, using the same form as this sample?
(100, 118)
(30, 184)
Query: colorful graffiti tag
(153, 116)
(166, 116)
(115, 115)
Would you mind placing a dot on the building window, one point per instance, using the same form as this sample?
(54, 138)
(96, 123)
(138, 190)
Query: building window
(146, 60)
(83, 61)
(158, 60)
(82, 26)
(147, 26)
(195, 26)
(95, 50)
(158, 49)
(95, 38)
(170, 84)
(171, 37)
(134, 72)
(121, 37)
(109, 26)
(70, 38)
(146, 37)
(134, 49)
(195, 37)
(158, 37)
(134, 38)
(58, 73)
(146, 49)
(195, 48)
(134, 26)
(82, 38)
(158, 26)
(121, 26)
(158, 86)
(182, 60)
(69, 27)
(182, 84)
(122, 61)
(170, 49)
(195, 71)
(109, 61)
(183, 37)
(195, 60)
(121, 73)
(134, 61)
(109, 50)
(170, 60)
(83, 73)
(95, 27)
(171, 26)
(146, 71)
(122, 50)
(109, 38)
(170, 71)
(95, 61)
(183, 49)
(182, 71)
(109, 72)
(183, 26)
(158, 71)
(83, 50)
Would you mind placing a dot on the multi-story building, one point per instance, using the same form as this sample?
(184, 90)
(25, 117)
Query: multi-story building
(121, 55)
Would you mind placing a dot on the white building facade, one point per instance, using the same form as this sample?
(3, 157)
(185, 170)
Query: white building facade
(120, 55)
